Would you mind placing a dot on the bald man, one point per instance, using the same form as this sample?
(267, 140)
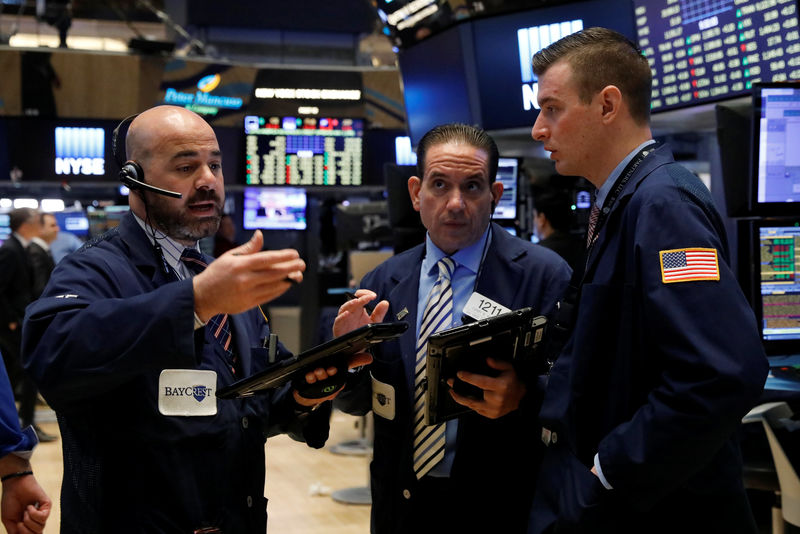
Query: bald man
(119, 347)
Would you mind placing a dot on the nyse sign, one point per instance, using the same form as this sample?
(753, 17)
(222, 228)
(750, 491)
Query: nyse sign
(530, 41)
(80, 151)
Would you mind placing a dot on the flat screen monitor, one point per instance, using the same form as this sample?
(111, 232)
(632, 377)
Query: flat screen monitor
(775, 189)
(504, 45)
(701, 51)
(306, 152)
(60, 149)
(74, 222)
(105, 218)
(274, 208)
(778, 277)
(507, 174)
(5, 228)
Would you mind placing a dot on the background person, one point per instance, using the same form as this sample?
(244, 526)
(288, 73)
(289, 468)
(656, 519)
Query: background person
(664, 358)
(552, 220)
(478, 475)
(42, 262)
(16, 292)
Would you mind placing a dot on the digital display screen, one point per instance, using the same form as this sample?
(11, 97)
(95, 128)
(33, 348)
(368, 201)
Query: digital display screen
(507, 173)
(703, 50)
(274, 208)
(74, 222)
(504, 45)
(60, 149)
(5, 228)
(779, 270)
(777, 157)
(303, 151)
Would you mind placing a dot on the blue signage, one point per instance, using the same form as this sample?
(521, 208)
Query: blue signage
(80, 151)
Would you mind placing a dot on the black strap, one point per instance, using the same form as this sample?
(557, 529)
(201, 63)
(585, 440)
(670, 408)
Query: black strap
(563, 321)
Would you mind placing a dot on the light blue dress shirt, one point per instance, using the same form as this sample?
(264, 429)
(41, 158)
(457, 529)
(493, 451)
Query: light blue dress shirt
(605, 189)
(468, 261)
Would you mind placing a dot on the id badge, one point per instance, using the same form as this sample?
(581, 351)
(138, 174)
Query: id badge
(187, 392)
(479, 307)
(383, 399)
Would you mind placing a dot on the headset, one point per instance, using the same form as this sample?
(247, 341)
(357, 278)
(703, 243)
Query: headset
(130, 172)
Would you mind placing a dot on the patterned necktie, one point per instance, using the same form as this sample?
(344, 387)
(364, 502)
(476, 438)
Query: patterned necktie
(593, 215)
(219, 325)
(429, 441)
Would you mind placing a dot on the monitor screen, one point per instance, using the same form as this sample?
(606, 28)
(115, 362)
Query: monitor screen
(60, 149)
(776, 157)
(5, 229)
(274, 208)
(303, 151)
(503, 47)
(507, 174)
(778, 276)
(74, 222)
(702, 51)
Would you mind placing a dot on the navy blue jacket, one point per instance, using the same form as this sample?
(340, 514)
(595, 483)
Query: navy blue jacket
(12, 438)
(656, 376)
(496, 459)
(110, 320)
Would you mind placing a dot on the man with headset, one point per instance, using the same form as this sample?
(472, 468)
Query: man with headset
(476, 473)
(133, 336)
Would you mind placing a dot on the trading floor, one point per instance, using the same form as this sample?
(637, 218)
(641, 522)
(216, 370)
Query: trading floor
(300, 480)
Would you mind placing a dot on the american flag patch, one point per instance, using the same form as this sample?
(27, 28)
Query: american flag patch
(689, 264)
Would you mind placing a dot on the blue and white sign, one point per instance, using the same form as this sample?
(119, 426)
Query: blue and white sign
(531, 40)
(80, 151)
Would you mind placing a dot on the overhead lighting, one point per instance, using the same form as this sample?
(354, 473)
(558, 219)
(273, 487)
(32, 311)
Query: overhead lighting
(308, 94)
(30, 40)
(26, 203)
(51, 205)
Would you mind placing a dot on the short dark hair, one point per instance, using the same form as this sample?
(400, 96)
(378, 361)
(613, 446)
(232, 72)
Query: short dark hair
(458, 133)
(20, 216)
(556, 206)
(600, 57)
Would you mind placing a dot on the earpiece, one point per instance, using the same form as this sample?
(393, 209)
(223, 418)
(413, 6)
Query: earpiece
(131, 173)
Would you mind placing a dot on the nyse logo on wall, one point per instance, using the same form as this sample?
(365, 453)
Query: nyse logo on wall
(80, 151)
(531, 40)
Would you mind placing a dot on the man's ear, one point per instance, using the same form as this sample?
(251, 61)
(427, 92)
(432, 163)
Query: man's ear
(414, 186)
(611, 100)
(497, 193)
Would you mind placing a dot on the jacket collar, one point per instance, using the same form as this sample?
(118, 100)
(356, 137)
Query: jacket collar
(657, 158)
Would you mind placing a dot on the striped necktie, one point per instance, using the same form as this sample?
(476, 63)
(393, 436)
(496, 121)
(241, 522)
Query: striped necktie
(219, 325)
(593, 216)
(429, 441)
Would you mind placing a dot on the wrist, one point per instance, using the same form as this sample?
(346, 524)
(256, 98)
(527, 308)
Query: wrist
(12, 464)
(18, 474)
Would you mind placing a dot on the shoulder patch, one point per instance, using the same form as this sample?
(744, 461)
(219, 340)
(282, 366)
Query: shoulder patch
(689, 265)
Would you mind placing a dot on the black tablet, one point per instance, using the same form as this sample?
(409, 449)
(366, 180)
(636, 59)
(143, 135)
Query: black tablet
(328, 353)
(513, 336)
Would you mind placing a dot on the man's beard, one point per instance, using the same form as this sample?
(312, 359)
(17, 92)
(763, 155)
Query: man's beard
(182, 226)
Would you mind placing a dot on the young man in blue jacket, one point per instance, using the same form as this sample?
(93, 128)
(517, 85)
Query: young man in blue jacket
(664, 358)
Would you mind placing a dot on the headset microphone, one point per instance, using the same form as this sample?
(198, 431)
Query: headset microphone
(129, 175)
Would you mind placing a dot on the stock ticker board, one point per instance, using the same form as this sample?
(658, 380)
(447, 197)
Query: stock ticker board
(704, 50)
